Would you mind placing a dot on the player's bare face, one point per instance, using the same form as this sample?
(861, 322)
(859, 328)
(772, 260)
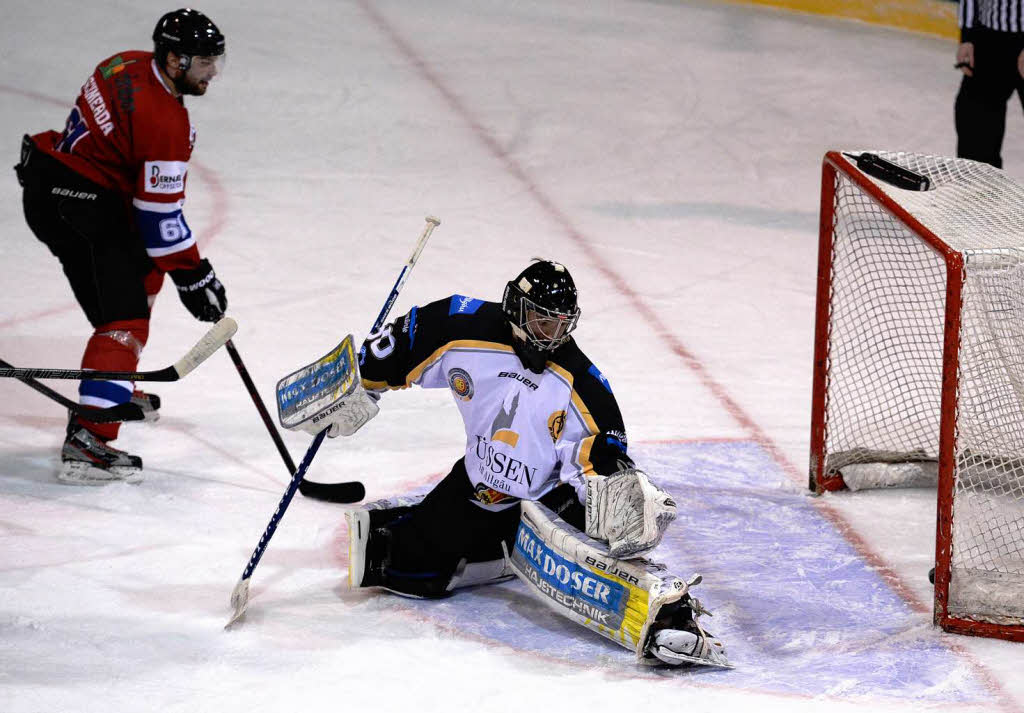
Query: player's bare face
(200, 73)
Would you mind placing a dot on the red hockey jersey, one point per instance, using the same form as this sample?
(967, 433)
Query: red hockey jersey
(128, 132)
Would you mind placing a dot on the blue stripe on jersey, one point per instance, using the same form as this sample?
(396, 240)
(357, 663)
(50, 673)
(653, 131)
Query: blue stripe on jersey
(596, 373)
(106, 390)
(411, 323)
(163, 233)
(463, 305)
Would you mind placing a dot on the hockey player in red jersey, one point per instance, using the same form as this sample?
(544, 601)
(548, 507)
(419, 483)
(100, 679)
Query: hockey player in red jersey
(105, 195)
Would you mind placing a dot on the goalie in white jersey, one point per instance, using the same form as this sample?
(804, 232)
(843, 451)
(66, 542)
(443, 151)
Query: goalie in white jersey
(545, 489)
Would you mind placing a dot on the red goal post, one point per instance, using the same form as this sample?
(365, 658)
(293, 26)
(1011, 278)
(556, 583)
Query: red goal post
(919, 365)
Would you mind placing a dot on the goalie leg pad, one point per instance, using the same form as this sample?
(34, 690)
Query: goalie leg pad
(625, 601)
(369, 537)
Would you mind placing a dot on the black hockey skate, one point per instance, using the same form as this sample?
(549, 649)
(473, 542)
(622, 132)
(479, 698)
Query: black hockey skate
(88, 460)
(677, 639)
(148, 403)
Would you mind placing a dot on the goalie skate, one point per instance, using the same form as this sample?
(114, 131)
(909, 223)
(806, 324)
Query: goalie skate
(681, 640)
(87, 460)
(677, 647)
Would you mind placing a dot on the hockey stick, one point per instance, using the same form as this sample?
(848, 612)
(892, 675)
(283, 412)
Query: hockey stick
(122, 412)
(240, 594)
(210, 342)
(348, 492)
(251, 388)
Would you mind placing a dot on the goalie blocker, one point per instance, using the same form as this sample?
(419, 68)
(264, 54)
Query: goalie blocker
(327, 394)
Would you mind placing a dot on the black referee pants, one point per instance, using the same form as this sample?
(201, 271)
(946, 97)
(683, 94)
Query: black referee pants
(981, 102)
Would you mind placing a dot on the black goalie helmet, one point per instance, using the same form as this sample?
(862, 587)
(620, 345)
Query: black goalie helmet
(541, 305)
(188, 33)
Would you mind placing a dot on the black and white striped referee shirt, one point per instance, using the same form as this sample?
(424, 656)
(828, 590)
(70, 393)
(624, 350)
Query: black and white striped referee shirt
(999, 15)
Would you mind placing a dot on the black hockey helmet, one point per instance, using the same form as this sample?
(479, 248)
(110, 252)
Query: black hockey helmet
(540, 303)
(188, 33)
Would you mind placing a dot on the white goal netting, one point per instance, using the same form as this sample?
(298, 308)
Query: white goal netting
(887, 327)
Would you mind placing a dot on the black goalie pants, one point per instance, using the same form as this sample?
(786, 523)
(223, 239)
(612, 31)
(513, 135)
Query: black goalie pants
(418, 549)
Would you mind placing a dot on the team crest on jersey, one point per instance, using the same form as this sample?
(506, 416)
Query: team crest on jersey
(116, 66)
(501, 428)
(461, 383)
(556, 422)
(490, 496)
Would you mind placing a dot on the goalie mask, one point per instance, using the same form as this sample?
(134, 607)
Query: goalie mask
(540, 304)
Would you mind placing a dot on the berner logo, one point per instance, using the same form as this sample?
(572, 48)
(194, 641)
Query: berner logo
(159, 180)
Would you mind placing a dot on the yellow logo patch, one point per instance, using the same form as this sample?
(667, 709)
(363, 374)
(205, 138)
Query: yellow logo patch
(556, 422)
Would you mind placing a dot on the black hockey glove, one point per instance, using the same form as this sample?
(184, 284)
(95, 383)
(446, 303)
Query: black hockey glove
(201, 291)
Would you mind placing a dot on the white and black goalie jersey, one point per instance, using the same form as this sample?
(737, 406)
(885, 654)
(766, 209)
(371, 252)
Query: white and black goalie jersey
(525, 432)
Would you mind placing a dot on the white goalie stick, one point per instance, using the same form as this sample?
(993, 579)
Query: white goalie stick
(207, 345)
(240, 594)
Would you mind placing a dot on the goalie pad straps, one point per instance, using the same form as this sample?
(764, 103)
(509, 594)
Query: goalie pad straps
(627, 511)
(576, 577)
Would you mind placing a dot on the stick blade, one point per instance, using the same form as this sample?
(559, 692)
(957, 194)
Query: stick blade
(349, 492)
(210, 342)
(239, 602)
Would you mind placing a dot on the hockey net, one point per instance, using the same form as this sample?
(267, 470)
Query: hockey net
(919, 366)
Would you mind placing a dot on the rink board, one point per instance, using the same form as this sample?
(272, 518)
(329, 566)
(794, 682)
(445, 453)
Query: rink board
(799, 609)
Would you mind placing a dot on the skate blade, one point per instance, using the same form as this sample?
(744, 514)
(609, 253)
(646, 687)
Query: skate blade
(674, 658)
(78, 472)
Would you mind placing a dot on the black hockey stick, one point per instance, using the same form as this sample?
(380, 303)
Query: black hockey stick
(122, 412)
(348, 492)
(240, 594)
(210, 342)
(255, 395)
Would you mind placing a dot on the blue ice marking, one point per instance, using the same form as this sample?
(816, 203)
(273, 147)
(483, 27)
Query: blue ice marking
(799, 610)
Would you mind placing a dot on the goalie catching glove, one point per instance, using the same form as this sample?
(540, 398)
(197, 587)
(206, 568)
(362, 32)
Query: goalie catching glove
(327, 394)
(627, 511)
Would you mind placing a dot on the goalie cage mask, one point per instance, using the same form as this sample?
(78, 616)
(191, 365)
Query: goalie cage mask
(540, 303)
